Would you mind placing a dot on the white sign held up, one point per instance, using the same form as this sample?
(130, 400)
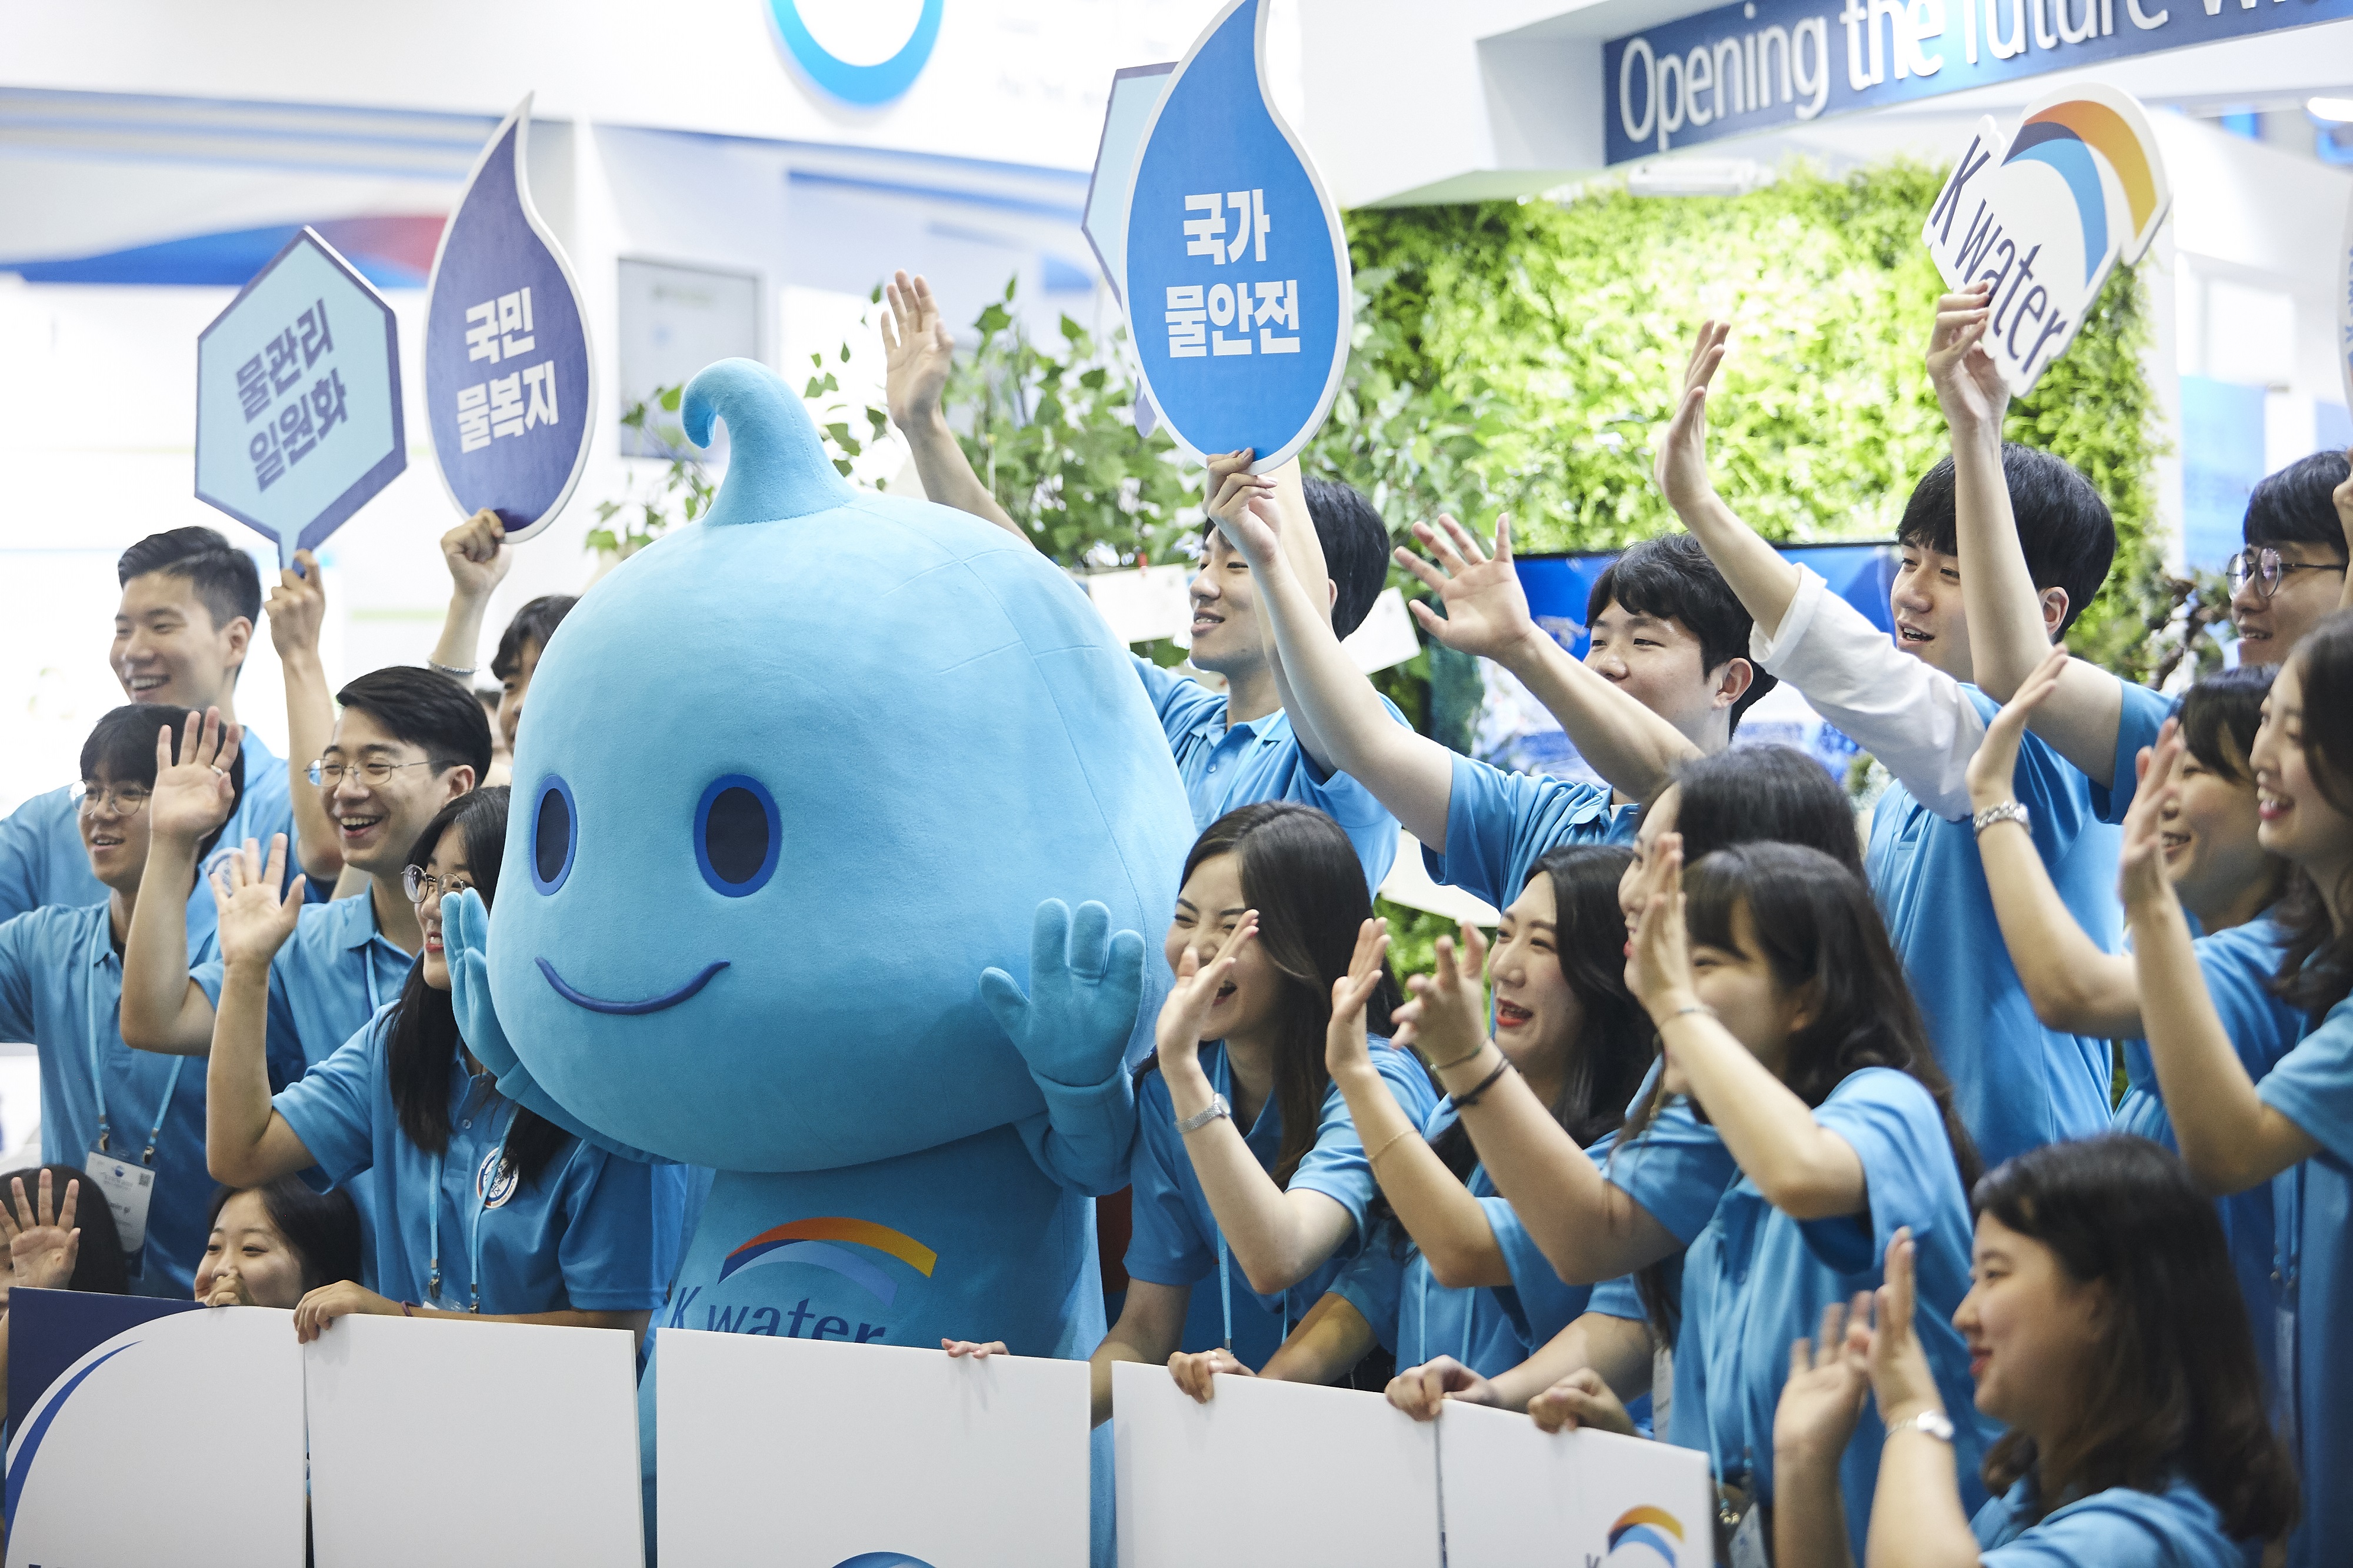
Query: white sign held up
(1516, 1494)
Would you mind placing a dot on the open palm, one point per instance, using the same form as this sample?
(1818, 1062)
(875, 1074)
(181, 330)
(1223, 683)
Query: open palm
(1487, 608)
(194, 793)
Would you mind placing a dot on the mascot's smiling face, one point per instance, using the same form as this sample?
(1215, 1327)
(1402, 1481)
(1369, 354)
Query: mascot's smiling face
(789, 780)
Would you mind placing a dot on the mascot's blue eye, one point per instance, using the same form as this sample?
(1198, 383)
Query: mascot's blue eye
(554, 835)
(736, 835)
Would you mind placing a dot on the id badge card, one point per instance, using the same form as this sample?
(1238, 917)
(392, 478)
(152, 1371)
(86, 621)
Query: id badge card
(128, 1186)
(1749, 1546)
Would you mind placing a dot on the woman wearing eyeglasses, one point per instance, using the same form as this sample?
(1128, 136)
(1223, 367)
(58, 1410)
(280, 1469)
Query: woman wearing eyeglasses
(2291, 575)
(482, 1208)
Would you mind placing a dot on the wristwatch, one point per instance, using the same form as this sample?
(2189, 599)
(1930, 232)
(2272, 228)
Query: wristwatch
(1202, 1118)
(1934, 1423)
(2007, 811)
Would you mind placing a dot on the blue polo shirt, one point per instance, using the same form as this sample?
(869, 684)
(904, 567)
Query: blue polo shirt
(2312, 1086)
(1225, 767)
(1176, 1240)
(62, 988)
(592, 1232)
(1499, 825)
(42, 860)
(2237, 965)
(2018, 1085)
(1757, 1280)
(326, 980)
(2119, 1527)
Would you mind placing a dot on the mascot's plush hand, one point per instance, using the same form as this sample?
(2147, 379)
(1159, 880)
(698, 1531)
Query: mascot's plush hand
(465, 947)
(1085, 985)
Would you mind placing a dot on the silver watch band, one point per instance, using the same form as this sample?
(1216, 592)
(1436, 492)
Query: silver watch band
(1202, 1118)
(1931, 1422)
(2007, 811)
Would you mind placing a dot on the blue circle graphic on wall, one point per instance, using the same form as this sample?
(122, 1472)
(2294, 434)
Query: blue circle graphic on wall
(860, 84)
(882, 1560)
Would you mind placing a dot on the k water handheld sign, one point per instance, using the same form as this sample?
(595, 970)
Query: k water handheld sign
(298, 398)
(2044, 212)
(510, 383)
(1236, 271)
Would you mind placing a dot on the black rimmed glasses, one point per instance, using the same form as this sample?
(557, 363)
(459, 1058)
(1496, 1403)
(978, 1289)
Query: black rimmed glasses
(2264, 568)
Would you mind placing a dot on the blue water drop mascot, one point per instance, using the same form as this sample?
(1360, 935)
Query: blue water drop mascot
(831, 807)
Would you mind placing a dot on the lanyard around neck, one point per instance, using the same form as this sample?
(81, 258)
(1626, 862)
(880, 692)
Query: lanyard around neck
(474, 1231)
(97, 1083)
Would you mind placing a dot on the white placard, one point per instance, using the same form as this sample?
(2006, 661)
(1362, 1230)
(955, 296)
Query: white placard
(178, 1441)
(805, 1454)
(1270, 1475)
(1145, 603)
(502, 1442)
(1385, 637)
(1516, 1495)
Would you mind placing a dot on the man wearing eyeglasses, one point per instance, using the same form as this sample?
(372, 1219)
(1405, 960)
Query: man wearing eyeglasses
(2292, 573)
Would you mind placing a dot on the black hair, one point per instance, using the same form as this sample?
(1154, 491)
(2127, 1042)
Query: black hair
(1301, 873)
(2064, 526)
(423, 1038)
(1355, 543)
(1671, 577)
(1763, 793)
(424, 710)
(2228, 703)
(2174, 1388)
(223, 576)
(1612, 1050)
(122, 750)
(321, 1229)
(2316, 970)
(100, 1267)
(533, 625)
(2294, 506)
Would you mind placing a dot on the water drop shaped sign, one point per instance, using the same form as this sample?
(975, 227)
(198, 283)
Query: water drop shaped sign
(1236, 269)
(510, 380)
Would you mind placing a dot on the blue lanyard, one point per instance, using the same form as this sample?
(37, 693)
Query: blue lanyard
(1226, 1294)
(474, 1231)
(98, 1084)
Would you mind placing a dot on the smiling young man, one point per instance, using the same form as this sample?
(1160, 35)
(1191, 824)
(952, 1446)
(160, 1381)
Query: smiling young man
(182, 631)
(103, 1103)
(2291, 576)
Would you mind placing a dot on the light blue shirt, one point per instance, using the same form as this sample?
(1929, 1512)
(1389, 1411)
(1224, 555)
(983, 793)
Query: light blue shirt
(1499, 825)
(43, 862)
(1175, 1241)
(326, 980)
(1225, 767)
(2238, 965)
(1756, 1280)
(62, 988)
(2119, 1527)
(2312, 1086)
(592, 1232)
(2017, 1084)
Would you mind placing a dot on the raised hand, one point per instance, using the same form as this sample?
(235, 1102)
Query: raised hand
(1581, 1400)
(466, 948)
(1446, 1020)
(1901, 1379)
(1197, 1370)
(1968, 383)
(1995, 762)
(2142, 882)
(1086, 985)
(254, 920)
(474, 553)
(1659, 966)
(917, 350)
(1680, 465)
(1487, 608)
(1823, 1398)
(1344, 1049)
(298, 607)
(1244, 507)
(194, 793)
(1177, 1035)
(1421, 1392)
(42, 1242)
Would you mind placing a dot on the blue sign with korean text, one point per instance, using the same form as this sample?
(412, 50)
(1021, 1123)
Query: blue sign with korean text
(1237, 270)
(1755, 65)
(298, 398)
(509, 381)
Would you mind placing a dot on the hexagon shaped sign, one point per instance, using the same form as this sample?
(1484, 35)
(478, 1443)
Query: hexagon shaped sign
(298, 398)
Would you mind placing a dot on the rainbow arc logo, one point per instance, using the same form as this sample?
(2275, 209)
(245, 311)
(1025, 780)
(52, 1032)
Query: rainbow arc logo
(813, 1243)
(1645, 1535)
(2073, 137)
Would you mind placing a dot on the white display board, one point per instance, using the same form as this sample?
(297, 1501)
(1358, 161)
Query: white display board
(500, 1442)
(1270, 1475)
(805, 1453)
(1516, 1495)
(177, 1441)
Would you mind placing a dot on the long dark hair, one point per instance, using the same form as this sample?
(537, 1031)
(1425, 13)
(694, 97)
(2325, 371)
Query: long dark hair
(1753, 795)
(2316, 970)
(2174, 1388)
(1613, 1049)
(321, 1229)
(1301, 875)
(1815, 926)
(424, 1037)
